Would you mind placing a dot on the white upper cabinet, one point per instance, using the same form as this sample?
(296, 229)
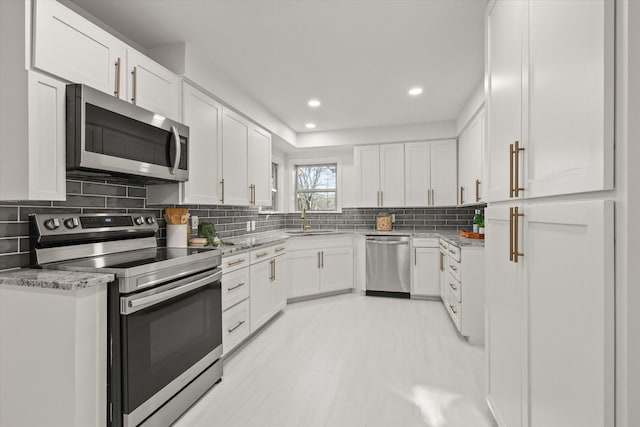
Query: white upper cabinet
(379, 175)
(69, 46)
(471, 162)
(203, 115)
(444, 173)
(151, 86)
(259, 168)
(417, 171)
(505, 24)
(235, 140)
(367, 161)
(245, 162)
(430, 173)
(550, 98)
(570, 79)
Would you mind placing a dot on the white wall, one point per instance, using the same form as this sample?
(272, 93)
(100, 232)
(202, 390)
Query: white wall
(184, 60)
(377, 135)
(476, 100)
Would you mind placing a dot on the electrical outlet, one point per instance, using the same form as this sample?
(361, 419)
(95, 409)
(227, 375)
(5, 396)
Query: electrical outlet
(195, 221)
(253, 225)
(248, 225)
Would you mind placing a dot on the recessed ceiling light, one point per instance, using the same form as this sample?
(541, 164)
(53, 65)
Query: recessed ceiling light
(310, 125)
(313, 103)
(415, 91)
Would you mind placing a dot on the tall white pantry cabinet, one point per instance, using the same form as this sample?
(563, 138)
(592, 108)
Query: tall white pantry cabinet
(549, 239)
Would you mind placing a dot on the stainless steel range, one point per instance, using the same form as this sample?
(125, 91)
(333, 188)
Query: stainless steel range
(164, 313)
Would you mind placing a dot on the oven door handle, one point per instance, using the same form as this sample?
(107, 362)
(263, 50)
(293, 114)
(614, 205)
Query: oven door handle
(132, 304)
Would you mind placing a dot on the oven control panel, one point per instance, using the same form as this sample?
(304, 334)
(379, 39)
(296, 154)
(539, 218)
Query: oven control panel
(61, 224)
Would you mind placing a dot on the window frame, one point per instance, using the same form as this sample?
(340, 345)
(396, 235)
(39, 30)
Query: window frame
(280, 208)
(292, 181)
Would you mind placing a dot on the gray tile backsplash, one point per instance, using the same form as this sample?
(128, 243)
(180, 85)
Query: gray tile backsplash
(230, 221)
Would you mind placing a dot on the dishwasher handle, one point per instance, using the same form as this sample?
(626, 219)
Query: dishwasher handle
(386, 242)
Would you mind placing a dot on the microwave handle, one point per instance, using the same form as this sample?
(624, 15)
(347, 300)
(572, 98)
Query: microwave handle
(176, 162)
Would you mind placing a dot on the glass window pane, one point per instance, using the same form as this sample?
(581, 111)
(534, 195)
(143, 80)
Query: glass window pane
(316, 177)
(317, 201)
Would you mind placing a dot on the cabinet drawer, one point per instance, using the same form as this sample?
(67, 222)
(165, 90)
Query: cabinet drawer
(235, 287)
(235, 326)
(444, 245)
(235, 262)
(454, 268)
(455, 288)
(267, 252)
(453, 307)
(425, 242)
(454, 252)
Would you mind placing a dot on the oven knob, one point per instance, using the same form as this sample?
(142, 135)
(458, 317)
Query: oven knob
(150, 220)
(71, 222)
(52, 223)
(139, 220)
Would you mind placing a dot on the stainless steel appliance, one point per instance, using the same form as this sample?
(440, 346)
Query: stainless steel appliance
(164, 310)
(388, 263)
(107, 136)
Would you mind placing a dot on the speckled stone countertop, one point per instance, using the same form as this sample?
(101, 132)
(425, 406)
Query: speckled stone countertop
(54, 279)
(249, 242)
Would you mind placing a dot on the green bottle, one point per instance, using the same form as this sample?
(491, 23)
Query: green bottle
(477, 220)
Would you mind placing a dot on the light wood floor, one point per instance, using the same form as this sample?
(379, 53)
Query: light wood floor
(350, 360)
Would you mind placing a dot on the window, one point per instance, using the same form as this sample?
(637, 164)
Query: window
(316, 187)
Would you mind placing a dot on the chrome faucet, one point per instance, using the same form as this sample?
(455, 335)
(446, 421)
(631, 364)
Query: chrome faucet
(305, 221)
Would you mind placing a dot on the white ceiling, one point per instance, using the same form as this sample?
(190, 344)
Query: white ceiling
(358, 57)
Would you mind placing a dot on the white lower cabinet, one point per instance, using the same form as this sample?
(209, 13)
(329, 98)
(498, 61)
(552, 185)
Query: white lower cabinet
(550, 315)
(461, 280)
(425, 268)
(253, 290)
(320, 264)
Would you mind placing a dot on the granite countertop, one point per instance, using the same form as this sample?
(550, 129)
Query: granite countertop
(247, 243)
(54, 279)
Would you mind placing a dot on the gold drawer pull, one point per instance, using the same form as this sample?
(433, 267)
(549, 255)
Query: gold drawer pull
(236, 286)
(452, 287)
(280, 249)
(231, 264)
(452, 252)
(453, 309)
(236, 327)
(453, 267)
(263, 254)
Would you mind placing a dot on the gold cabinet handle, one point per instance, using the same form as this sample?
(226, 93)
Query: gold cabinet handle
(280, 249)
(453, 310)
(116, 92)
(232, 263)
(510, 234)
(222, 196)
(263, 254)
(514, 169)
(240, 323)
(134, 85)
(318, 259)
(433, 197)
(272, 273)
(516, 233)
(441, 261)
(274, 270)
(415, 256)
(453, 267)
(252, 194)
(477, 190)
(461, 195)
(239, 285)
(322, 259)
(511, 151)
(428, 197)
(451, 285)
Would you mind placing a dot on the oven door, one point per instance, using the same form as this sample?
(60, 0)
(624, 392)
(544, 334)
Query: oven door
(170, 334)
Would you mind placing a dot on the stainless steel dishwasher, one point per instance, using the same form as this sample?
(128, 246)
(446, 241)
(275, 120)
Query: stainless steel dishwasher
(388, 263)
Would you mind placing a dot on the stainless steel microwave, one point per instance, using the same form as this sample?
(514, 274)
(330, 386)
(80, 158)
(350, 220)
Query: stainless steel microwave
(109, 137)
